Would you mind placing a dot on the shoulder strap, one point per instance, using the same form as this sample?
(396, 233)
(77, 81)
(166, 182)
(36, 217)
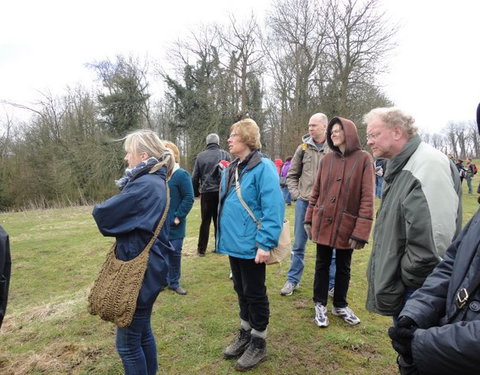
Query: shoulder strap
(239, 195)
(161, 222)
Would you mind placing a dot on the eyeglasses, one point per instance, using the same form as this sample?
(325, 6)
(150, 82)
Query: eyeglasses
(233, 135)
(372, 136)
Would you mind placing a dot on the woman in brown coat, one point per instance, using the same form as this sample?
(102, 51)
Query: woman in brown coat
(340, 215)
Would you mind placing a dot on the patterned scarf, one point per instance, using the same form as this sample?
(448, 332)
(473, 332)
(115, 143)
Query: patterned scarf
(132, 172)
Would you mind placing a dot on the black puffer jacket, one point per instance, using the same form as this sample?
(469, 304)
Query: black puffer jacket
(5, 269)
(206, 176)
(448, 338)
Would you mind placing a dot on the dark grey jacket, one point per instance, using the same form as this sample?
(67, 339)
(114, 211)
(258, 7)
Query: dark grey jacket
(206, 175)
(448, 338)
(5, 269)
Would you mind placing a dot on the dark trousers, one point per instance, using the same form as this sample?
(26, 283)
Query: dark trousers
(249, 283)
(209, 211)
(343, 260)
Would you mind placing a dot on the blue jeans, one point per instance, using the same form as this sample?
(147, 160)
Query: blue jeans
(175, 262)
(297, 264)
(136, 345)
(378, 186)
(286, 195)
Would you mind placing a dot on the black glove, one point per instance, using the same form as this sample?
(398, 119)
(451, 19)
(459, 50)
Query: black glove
(402, 336)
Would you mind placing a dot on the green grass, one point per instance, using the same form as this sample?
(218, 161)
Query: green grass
(57, 253)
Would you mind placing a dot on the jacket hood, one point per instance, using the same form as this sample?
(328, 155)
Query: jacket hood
(307, 139)
(352, 142)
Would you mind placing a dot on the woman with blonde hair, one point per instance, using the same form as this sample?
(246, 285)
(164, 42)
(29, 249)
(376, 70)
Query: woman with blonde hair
(132, 217)
(251, 180)
(181, 202)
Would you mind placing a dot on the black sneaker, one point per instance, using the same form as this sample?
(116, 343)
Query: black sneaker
(238, 345)
(255, 353)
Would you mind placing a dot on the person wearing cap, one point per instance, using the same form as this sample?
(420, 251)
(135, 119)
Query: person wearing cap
(438, 331)
(206, 181)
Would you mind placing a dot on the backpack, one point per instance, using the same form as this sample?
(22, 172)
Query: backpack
(474, 167)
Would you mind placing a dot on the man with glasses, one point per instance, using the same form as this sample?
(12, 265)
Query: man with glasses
(420, 212)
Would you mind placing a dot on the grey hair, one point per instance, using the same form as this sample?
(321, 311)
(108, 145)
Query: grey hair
(145, 140)
(321, 116)
(212, 138)
(392, 117)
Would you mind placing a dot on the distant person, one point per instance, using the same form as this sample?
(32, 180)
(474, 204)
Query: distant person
(438, 329)
(278, 163)
(206, 180)
(132, 217)
(471, 170)
(283, 181)
(461, 170)
(5, 270)
(339, 216)
(380, 167)
(419, 215)
(300, 179)
(247, 244)
(181, 202)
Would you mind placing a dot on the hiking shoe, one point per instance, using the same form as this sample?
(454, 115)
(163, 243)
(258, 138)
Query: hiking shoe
(347, 314)
(288, 288)
(321, 318)
(238, 345)
(331, 292)
(179, 290)
(255, 353)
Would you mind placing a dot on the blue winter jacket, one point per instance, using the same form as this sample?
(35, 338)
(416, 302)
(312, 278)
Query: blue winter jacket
(238, 235)
(132, 217)
(181, 202)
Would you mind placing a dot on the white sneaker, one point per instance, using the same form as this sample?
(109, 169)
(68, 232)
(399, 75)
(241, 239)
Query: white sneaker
(347, 314)
(321, 318)
(288, 288)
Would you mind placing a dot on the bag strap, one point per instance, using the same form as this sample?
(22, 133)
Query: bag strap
(162, 220)
(239, 195)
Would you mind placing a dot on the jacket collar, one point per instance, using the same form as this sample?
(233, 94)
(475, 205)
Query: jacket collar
(212, 146)
(397, 163)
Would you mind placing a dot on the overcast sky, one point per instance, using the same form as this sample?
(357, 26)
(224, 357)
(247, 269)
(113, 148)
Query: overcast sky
(45, 44)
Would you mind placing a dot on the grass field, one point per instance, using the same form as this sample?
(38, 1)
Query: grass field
(57, 253)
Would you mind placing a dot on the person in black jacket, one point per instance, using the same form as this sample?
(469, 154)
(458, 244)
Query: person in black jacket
(5, 269)
(206, 181)
(438, 330)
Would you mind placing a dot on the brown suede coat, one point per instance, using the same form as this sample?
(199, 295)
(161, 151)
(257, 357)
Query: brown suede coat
(341, 205)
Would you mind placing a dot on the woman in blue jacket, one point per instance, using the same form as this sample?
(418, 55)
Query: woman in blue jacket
(247, 244)
(132, 217)
(181, 202)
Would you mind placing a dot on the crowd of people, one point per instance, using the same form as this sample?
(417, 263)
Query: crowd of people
(423, 270)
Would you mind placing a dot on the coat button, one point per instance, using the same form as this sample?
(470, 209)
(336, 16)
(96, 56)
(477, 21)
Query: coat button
(474, 306)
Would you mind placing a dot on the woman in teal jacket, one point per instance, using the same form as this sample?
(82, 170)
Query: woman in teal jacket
(247, 244)
(181, 202)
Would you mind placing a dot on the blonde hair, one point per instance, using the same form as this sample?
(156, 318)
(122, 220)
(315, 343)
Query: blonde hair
(174, 148)
(147, 141)
(393, 117)
(248, 132)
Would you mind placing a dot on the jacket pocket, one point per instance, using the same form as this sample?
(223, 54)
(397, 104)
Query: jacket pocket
(346, 227)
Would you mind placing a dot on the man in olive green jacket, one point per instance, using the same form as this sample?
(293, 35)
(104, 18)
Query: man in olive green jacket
(420, 212)
(300, 179)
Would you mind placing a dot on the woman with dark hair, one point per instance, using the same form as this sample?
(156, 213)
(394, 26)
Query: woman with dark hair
(339, 215)
(250, 181)
(132, 217)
